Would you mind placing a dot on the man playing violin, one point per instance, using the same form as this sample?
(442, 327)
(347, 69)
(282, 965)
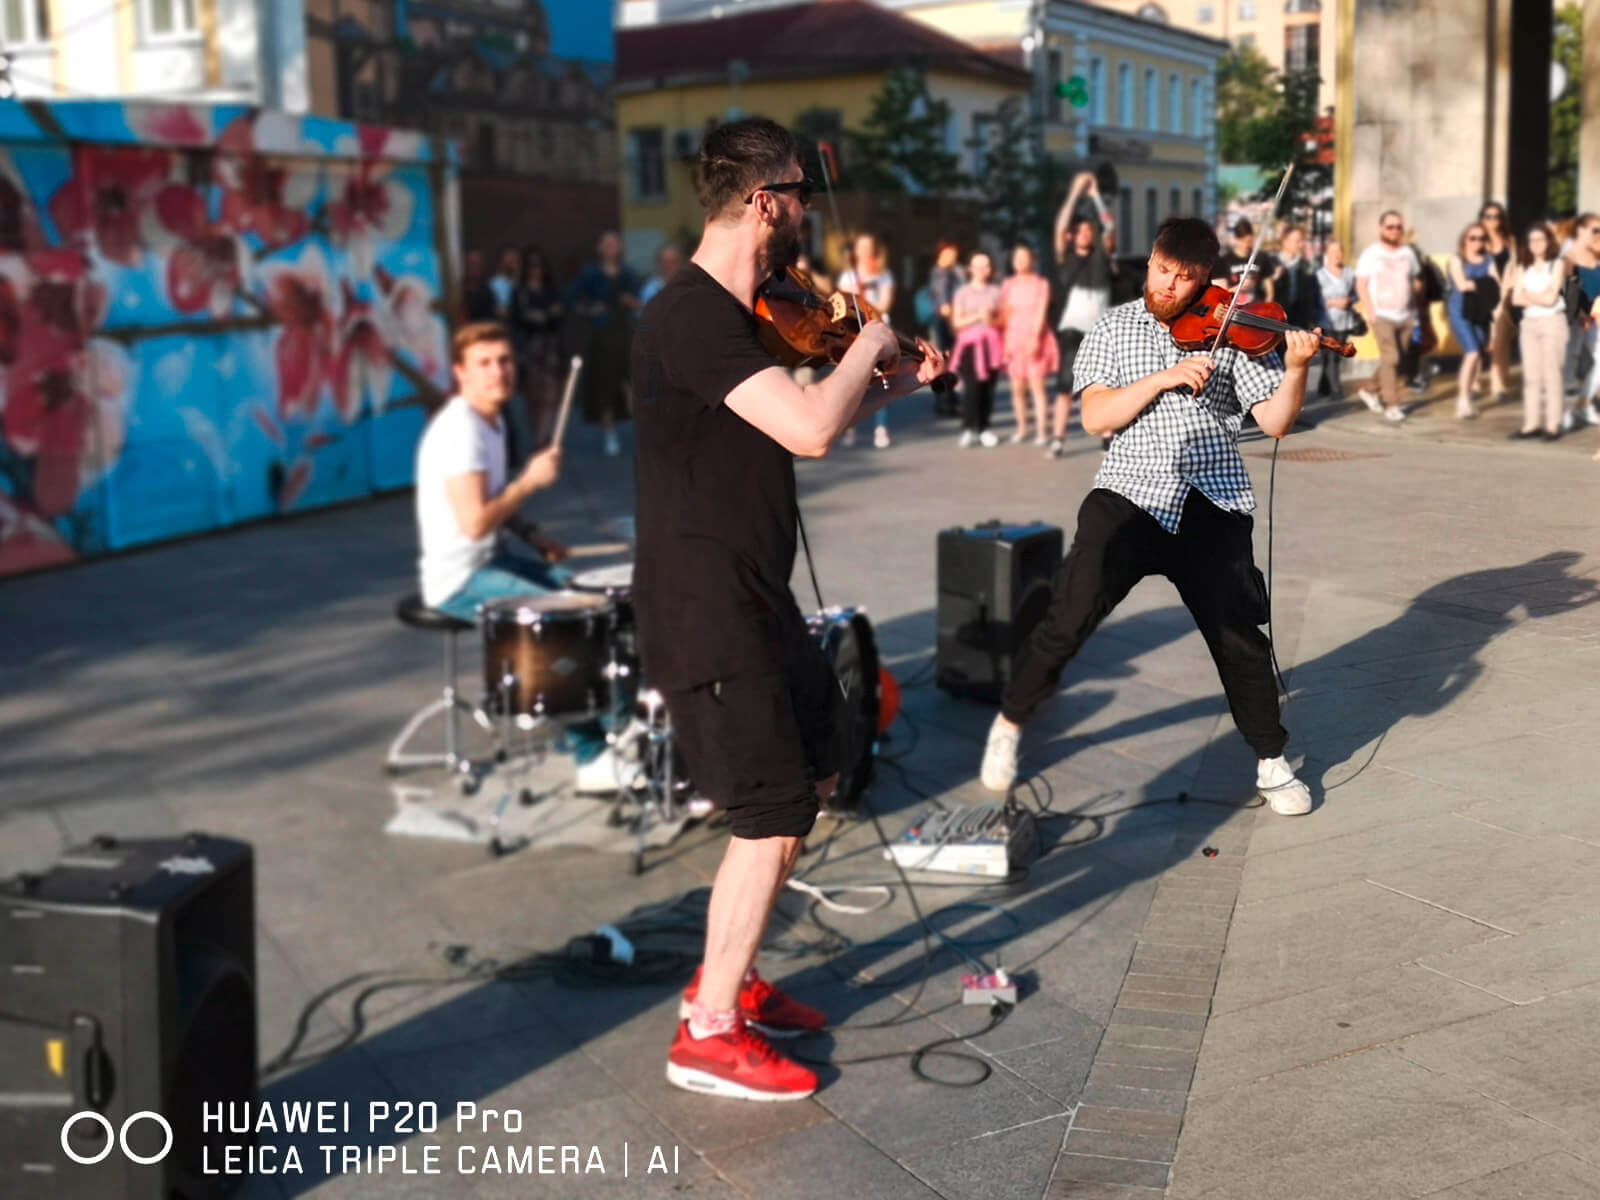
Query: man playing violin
(752, 698)
(1172, 498)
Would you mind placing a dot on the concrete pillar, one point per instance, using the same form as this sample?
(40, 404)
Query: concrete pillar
(1589, 134)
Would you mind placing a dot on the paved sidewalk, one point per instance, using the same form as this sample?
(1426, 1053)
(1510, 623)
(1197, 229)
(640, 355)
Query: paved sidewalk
(1405, 981)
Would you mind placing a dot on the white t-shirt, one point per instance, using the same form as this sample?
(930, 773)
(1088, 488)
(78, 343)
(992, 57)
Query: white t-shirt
(458, 441)
(1537, 277)
(874, 289)
(1389, 271)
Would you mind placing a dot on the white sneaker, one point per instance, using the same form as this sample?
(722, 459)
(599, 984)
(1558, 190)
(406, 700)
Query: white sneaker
(613, 446)
(880, 437)
(600, 775)
(1055, 449)
(1019, 437)
(1277, 785)
(988, 440)
(1371, 400)
(1041, 440)
(999, 769)
(968, 439)
(1394, 414)
(1592, 413)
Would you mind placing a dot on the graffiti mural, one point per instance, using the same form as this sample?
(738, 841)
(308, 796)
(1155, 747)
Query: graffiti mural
(208, 315)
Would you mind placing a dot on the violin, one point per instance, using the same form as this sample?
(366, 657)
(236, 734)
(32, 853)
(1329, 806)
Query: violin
(802, 328)
(1255, 330)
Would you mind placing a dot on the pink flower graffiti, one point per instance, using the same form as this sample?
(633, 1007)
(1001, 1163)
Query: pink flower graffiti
(108, 198)
(371, 207)
(301, 298)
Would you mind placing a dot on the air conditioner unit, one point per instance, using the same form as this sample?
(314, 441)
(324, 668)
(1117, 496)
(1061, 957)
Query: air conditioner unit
(686, 143)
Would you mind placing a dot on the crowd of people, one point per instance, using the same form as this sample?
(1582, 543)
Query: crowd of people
(1531, 295)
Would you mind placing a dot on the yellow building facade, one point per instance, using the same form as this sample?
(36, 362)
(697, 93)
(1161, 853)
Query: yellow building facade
(1151, 110)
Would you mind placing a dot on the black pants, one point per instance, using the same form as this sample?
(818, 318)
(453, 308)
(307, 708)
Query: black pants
(1211, 561)
(1067, 343)
(977, 396)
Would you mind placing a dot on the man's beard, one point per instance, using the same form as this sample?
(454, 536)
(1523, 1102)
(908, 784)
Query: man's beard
(782, 249)
(1168, 311)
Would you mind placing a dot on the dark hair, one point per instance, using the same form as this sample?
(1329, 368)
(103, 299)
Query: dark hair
(1187, 241)
(1500, 210)
(737, 158)
(1391, 212)
(1552, 247)
(475, 334)
(530, 254)
(1587, 219)
(1461, 242)
(1243, 228)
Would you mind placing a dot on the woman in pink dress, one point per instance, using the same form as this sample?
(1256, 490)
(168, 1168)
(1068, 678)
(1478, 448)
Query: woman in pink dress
(1031, 354)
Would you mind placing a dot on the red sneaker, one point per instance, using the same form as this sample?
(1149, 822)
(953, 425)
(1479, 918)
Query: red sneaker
(740, 1065)
(765, 1007)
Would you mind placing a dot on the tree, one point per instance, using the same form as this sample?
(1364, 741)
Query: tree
(1285, 134)
(901, 145)
(1006, 179)
(1247, 89)
(1566, 114)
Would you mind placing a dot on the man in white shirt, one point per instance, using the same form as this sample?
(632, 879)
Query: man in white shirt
(464, 500)
(1389, 286)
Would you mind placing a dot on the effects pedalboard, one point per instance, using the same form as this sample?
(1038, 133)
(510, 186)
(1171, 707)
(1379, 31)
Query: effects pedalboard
(979, 839)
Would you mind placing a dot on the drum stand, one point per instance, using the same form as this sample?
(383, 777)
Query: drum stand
(511, 724)
(663, 798)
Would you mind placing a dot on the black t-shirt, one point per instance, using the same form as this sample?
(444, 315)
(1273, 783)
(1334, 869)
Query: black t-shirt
(1230, 267)
(715, 496)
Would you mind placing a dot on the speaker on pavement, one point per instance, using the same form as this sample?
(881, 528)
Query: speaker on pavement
(994, 585)
(127, 985)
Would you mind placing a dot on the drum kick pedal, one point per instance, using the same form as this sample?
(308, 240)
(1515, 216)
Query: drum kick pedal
(991, 840)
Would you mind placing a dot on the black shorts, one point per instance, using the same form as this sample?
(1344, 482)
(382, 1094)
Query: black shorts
(756, 745)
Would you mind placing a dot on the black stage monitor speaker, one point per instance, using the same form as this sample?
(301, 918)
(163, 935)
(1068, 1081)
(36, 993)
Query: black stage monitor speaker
(128, 985)
(994, 585)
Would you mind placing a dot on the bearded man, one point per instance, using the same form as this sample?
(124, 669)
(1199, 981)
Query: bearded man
(752, 699)
(1172, 498)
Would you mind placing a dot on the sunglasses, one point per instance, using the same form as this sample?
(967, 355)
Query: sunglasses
(1476, 237)
(800, 187)
(1394, 226)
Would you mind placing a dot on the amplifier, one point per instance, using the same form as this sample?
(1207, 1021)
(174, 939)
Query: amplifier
(994, 585)
(980, 839)
(127, 985)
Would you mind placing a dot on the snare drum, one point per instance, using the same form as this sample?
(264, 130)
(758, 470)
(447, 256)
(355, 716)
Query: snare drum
(616, 583)
(548, 655)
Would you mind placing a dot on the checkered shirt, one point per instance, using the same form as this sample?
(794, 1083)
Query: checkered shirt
(1179, 441)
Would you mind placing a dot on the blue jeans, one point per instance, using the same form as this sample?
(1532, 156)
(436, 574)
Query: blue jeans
(515, 571)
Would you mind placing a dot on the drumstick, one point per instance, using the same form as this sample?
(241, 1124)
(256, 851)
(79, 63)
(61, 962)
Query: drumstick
(566, 400)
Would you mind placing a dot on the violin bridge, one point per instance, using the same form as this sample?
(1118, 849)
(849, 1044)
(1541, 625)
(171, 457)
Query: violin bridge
(838, 307)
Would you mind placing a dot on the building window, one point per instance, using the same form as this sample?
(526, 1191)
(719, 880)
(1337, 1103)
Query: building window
(1152, 100)
(488, 150)
(1302, 45)
(1174, 104)
(1199, 204)
(1125, 95)
(647, 163)
(1247, 10)
(1053, 94)
(1152, 12)
(982, 135)
(24, 22)
(164, 18)
(1175, 203)
(1197, 126)
(1303, 6)
(1204, 14)
(1097, 90)
(1152, 214)
(1125, 219)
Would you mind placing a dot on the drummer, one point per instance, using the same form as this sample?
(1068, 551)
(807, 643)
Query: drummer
(466, 506)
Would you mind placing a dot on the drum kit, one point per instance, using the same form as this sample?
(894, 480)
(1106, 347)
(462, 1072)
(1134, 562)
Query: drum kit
(556, 660)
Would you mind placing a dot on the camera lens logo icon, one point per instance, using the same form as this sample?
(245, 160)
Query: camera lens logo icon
(115, 1137)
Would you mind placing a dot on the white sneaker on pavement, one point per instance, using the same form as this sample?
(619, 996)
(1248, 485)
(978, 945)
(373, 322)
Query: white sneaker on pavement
(1370, 399)
(601, 775)
(880, 437)
(1394, 414)
(968, 439)
(1020, 436)
(1276, 782)
(989, 440)
(999, 769)
(613, 446)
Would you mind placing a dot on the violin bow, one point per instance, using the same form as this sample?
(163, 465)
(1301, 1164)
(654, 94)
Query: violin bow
(1227, 317)
(828, 164)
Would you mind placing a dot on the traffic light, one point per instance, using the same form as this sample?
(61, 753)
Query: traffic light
(1075, 91)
